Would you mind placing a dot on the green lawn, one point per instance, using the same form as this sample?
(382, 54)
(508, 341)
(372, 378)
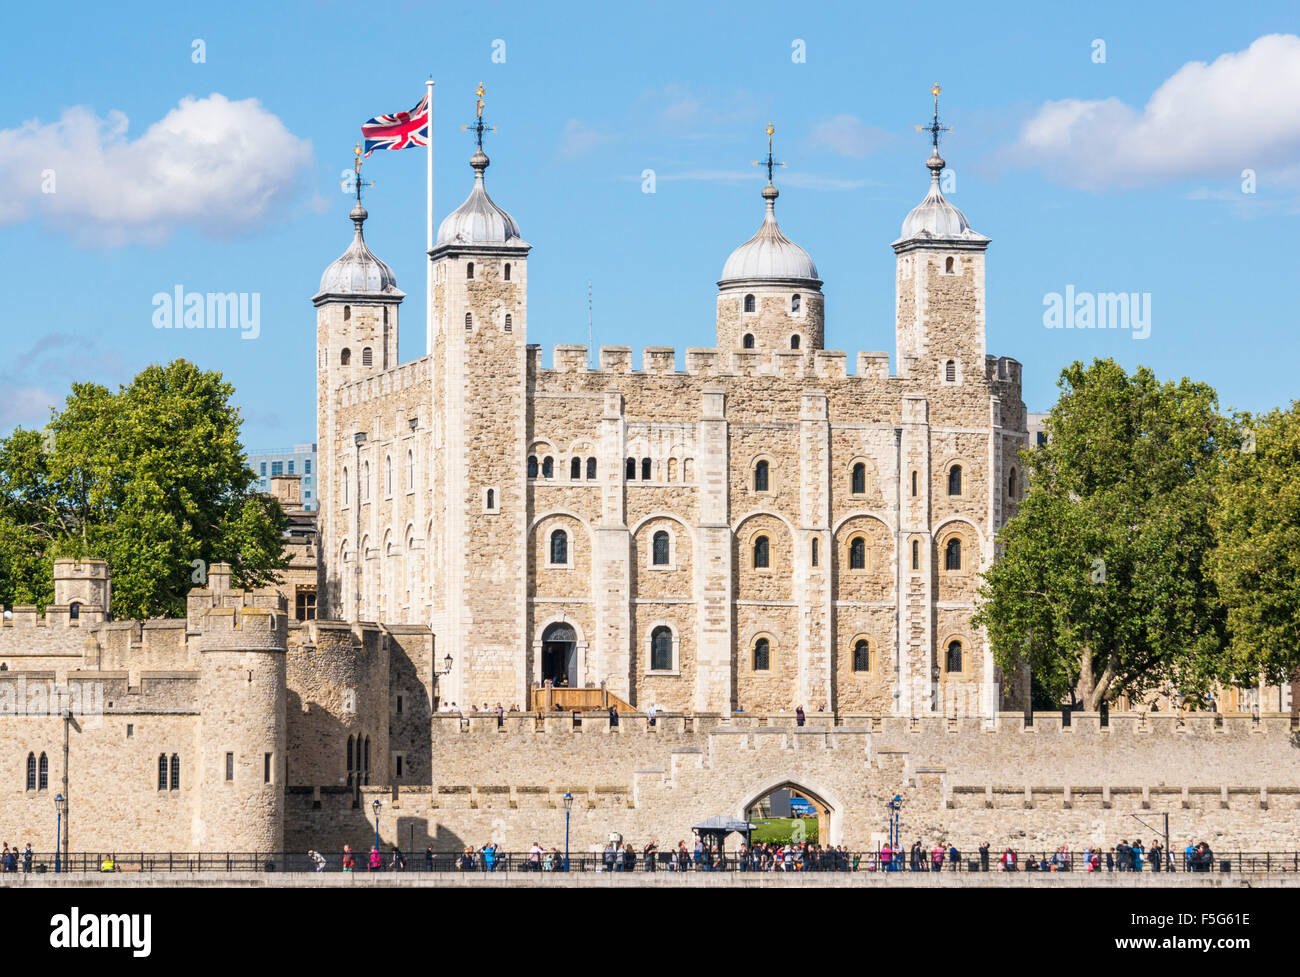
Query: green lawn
(781, 830)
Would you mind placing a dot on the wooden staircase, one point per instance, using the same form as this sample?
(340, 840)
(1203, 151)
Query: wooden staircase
(588, 699)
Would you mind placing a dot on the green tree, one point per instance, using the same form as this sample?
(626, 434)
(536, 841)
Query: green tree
(1101, 583)
(1256, 560)
(151, 478)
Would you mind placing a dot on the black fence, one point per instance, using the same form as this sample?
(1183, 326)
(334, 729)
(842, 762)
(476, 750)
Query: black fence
(813, 860)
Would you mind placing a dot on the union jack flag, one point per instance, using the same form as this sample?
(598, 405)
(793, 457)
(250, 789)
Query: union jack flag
(400, 131)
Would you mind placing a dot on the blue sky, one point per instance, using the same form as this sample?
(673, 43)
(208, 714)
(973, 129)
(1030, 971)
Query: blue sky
(1117, 175)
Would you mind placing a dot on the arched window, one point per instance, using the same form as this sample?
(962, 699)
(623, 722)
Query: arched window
(1011, 484)
(954, 480)
(857, 553)
(954, 656)
(345, 485)
(749, 303)
(345, 357)
(469, 322)
(367, 759)
(388, 474)
(814, 551)
(760, 476)
(645, 469)
(915, 484)
(794, 341)
(74, 609)
(591, 468)
(365, 482)
(367, 357)
(410, 470)
(548, 467)
(748, 341)
(162, 771)
(31, 771)
(176, 772)
(631, 469)
(510, 322)
(948, 266)
(506, 274)
(44, 773)
(859, 479)
(560, 548)
(762, 655)
(794, 303)
(532, 466)
(950, 371)
(469, 269)
(952, 554)
(916, 554)
(661, 649)
(575, 469)
(351, 764)
(491, 498)
(347, 313)
(660, 548)
(762, 553)
(862, 656)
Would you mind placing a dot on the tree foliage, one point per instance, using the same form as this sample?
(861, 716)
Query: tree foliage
(151, 478)
(1102, 582)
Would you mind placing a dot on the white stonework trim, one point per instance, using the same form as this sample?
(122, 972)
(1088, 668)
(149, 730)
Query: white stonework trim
(864, 513)
(649, 647)
(939, 530)
(560, 600)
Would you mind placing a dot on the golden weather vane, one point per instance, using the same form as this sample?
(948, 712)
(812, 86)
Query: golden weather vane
(769, 162)
(478, 128)
(356, 178)
(934, 128)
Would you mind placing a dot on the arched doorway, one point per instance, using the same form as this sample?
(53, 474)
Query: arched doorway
(788, 811)
(560, 655)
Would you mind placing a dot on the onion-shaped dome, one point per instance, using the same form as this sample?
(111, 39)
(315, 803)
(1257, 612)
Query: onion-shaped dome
(769, 254)
(935, 218)
(478, 220)
(358, 271)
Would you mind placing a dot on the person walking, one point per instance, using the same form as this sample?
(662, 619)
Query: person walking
(799, 715)
(984, 857)
(429, 856)
(376, 863)
(349, 862)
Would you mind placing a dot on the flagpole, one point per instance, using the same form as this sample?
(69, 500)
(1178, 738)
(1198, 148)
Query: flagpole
(428, 236)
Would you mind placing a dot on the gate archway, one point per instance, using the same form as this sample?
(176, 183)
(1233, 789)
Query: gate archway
(830, 809)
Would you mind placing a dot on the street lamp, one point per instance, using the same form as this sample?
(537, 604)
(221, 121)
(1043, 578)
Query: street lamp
(446, 670)
(375, 808)
(60, 805)
(568, 806)
(895, 805)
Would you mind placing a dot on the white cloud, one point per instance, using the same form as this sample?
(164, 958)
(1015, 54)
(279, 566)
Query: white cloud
(216, 164)
(847, 135)
(579, 139)
(1242, 111)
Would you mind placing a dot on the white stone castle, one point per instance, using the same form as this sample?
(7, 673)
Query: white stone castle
(762, 531)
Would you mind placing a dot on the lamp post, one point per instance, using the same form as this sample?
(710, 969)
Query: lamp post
(568, 806)
(375, 808)
(60, 805)
(895, 805)
(446, 670)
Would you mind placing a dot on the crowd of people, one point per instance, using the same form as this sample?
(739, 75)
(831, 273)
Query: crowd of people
(704, 856)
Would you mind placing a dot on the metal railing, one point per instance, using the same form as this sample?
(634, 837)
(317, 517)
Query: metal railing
(506, 863)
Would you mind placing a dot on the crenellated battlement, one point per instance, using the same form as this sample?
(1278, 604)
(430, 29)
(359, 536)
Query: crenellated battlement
(708, 362)
(381, 385)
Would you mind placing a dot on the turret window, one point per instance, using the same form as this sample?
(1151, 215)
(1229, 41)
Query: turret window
(532, 466)
(645, 470)
(915, 485)
(859, 481)
(347, 313)
(749, 303)
(950, 371)
(762, 553)
(952, 555)
(559, 548)
(857, 553)
(548, 467)
(469, 322)
(814, 551)
(469, 270)
(794, 341)
(345, 357)
(591, 468)
(794, 303)
(410, 471)
(948, 265)
(748, 341)
(954, 480)
(916, 554)
(761, 479)
(575, 469)
(506, 273)
(1011, 484)
(510, 320)
(631, 469)
(367, 357)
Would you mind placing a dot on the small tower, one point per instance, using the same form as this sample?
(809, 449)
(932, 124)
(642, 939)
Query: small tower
(242, 701)
(85, 584)
(356, 336)
(940, 283)
(479, 348)
(769, 295)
